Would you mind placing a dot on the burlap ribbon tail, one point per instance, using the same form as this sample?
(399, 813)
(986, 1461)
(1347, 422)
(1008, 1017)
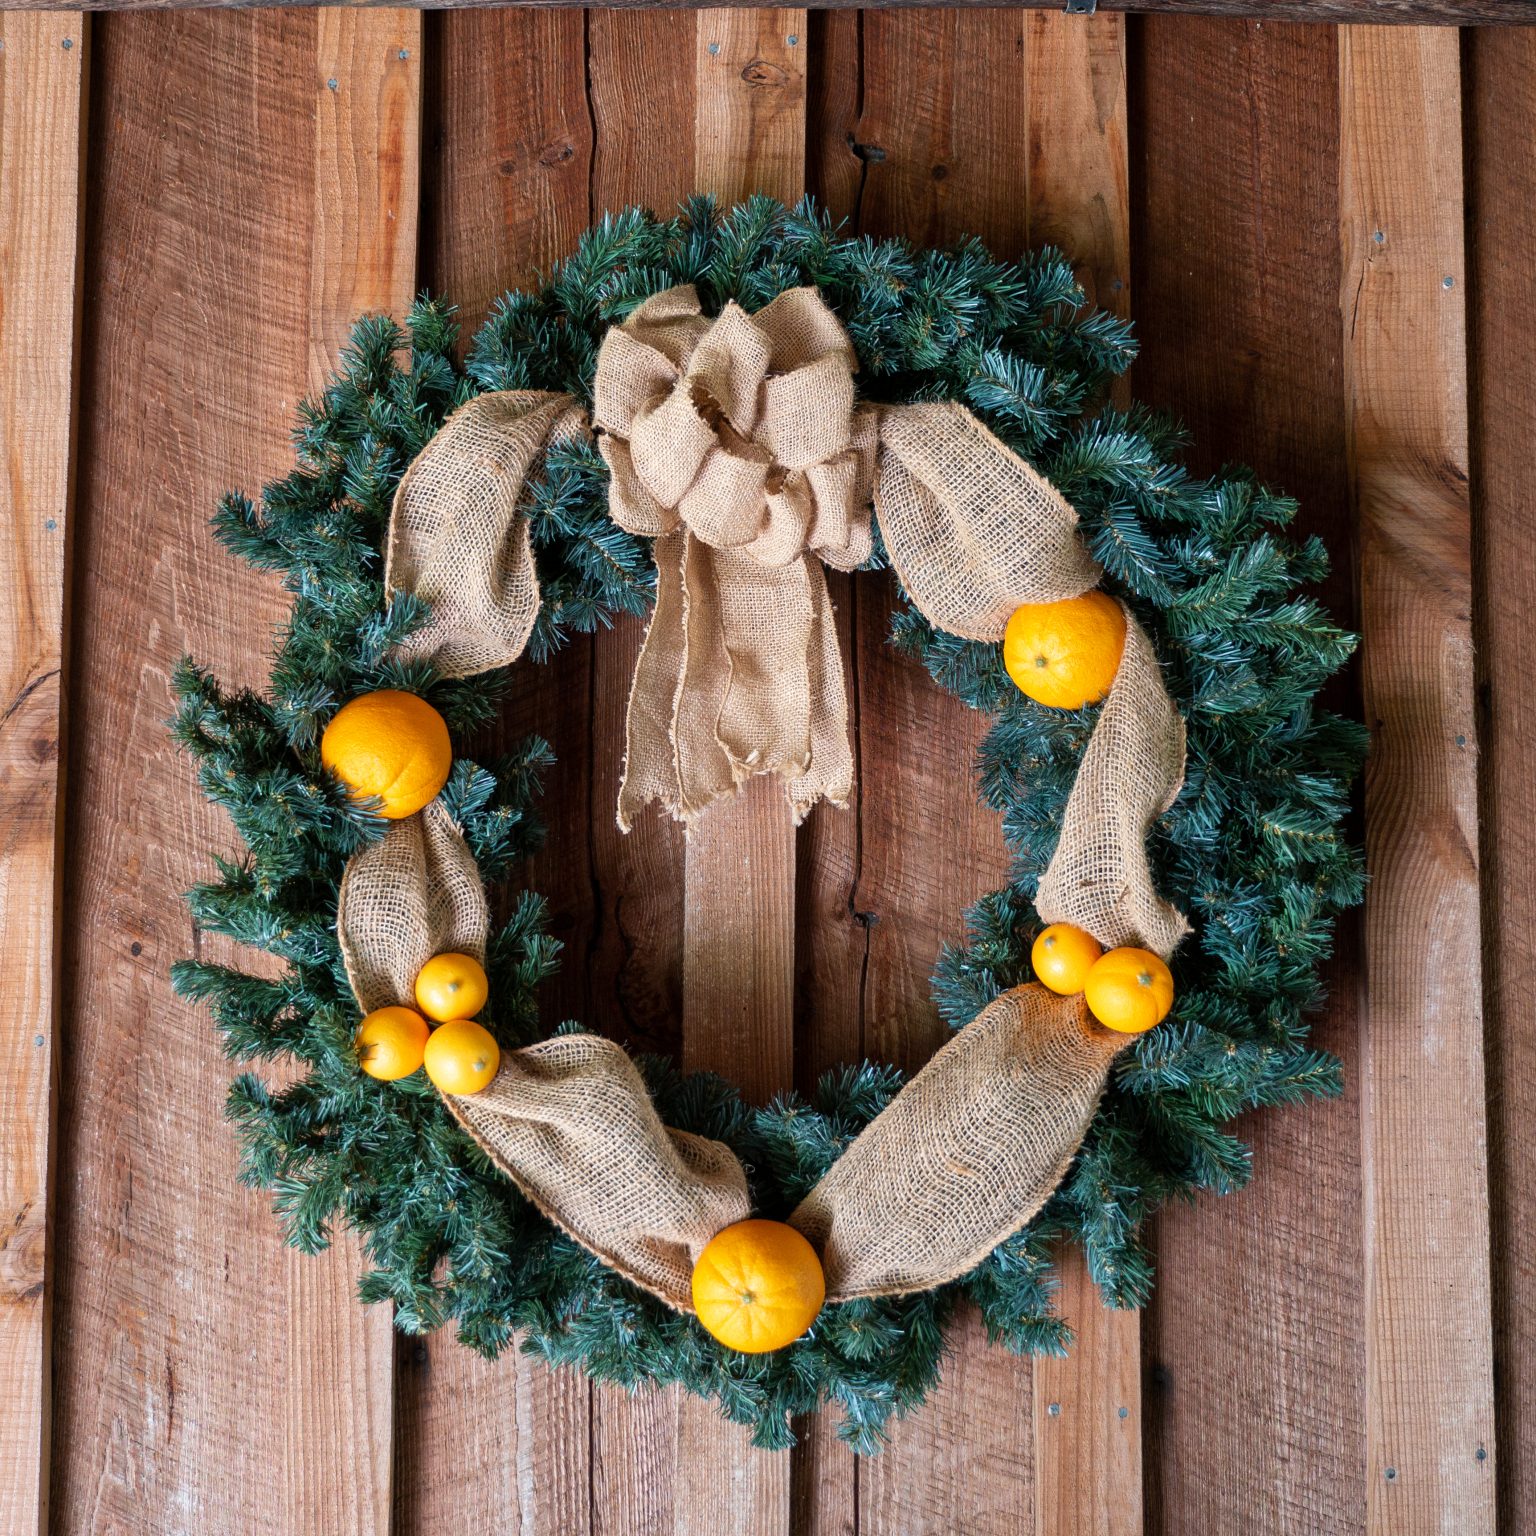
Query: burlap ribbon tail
(737, 444)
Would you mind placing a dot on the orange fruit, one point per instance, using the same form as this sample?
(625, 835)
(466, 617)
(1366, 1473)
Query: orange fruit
(1129, 990)
(390, 1043)
(758, 1286)
(1062, 956)
(462, 1056)
(391, 746)
(451, 986)
(1065, 654)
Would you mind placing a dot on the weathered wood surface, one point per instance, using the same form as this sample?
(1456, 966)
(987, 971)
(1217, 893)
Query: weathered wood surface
(230, 212)
(365, 80)
(42, 70)
(1500, 111)
(1429, 1461)
(1401, 12)
(1255, 1372)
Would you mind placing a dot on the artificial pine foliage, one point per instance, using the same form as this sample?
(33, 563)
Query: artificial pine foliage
(1253, 848)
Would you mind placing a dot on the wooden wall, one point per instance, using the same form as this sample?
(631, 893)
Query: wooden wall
(1325, 236)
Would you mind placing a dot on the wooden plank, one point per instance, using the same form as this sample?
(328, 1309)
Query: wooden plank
(173, 1401)
(945, 147)
(641, 70)
(739, 870)
(1429, 1404)
(366, 80)
(1406, 12)
(739, 888)
(506, 1444)
(1231, 252)
(1499, 113)
(1087, 1407)
(42, 98)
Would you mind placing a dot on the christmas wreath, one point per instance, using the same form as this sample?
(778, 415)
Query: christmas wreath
(670, 426)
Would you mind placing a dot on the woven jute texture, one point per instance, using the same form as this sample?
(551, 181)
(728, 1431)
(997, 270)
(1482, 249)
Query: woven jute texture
(736, 445)
(1131, 772)
(966, 1153)
(413, 894)
(458, 536)
(972, 529)
(568, 1120)
(571, 1122)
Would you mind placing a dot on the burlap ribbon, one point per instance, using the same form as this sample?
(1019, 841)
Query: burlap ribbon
(738, 446)
(960, 1159)
(458, 533)
(568, 1120)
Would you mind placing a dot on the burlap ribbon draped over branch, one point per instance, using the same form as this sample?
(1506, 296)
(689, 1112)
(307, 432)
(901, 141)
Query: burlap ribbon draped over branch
(739, 446)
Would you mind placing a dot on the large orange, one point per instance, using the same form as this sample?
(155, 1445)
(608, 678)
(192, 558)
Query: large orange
(1062, 957)
(1129, 990)
(390, 1043)
(462, 1056)
(390, 746)
(758, 1286)
(1065, 654)
(451, 986)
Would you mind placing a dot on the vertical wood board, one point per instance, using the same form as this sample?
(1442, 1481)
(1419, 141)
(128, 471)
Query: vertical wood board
(1087, 1406)
(1429, 1405)
(1253, 1340)
(944, 140)
(505, 1444)
(1500, 119)
(42, 101)
(173, 1398)
(366, 79)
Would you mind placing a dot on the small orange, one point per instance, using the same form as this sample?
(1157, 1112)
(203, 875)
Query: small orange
(1065, 654)
(391, 746)
(462, 1056)
(390, 1043)
(1062, 956)
(451, 986)
(1129, 990)
(758, 1286)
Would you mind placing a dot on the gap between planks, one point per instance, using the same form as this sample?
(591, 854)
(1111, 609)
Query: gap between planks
(42, 145)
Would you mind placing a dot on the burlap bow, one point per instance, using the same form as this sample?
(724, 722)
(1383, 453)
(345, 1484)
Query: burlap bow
(736, 445)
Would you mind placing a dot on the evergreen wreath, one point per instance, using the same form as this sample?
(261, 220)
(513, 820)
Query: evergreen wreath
(1253, 848)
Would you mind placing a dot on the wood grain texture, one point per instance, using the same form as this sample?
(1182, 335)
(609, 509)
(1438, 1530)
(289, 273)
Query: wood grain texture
(739, 866)
(1087, 1406)
(505, 1445)
(367, 173)
(173, 1403)
(944, 139)
(1254, 1337)
(739, 885)
(366, 82)
(641, 73)
(1403, 12)
(1500, 113)
(42, 101)
(1429, 1403)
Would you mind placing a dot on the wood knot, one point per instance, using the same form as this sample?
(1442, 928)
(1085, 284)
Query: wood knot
(760, 73)
(556, 154)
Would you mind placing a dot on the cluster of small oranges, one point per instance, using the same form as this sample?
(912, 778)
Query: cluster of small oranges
(1126, 989)
(392, 750)
(460, 1055)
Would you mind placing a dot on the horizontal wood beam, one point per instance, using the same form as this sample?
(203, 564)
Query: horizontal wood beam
(1405, 12)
